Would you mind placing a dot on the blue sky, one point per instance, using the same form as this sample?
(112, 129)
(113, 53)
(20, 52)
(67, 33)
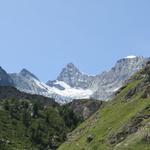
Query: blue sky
(44, 35)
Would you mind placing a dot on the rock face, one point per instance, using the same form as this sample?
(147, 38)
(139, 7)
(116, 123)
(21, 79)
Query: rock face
(27, 74)
(90, 138)
(73, 77)
(27, 82)
(5, 79)
(85, 108)
(107, 83)
(147, 137)
(131, 127)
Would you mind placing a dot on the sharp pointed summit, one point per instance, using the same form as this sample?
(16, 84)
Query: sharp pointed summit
(73, 77)
(70, 68)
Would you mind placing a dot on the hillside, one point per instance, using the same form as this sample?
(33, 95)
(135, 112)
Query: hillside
(123, 124)
(30, 122)
(8, 92)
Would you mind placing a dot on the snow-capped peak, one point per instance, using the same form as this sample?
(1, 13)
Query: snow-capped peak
(130, 57)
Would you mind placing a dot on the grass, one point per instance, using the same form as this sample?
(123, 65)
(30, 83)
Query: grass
(107, 121)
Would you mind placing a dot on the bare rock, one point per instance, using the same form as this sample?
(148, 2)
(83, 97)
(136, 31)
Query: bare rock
(90, 138)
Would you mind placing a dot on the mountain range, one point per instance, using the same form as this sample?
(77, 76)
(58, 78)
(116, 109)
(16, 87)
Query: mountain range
(71, 83)
(123, 123)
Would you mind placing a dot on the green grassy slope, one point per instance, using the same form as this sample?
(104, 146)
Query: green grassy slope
(117, 126)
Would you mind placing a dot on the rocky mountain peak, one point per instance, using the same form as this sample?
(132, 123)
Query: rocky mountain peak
(73, 77)
(70, 65)
(5, 79)
(25, 73)
(130, 62)
(69, 74)
(70, 68)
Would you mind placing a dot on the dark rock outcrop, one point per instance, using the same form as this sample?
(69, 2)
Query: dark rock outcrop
(140, 87)
(90, 138)
(85, 108)
(5, 79)
(146, 92)
(147, 137)
(131, 127)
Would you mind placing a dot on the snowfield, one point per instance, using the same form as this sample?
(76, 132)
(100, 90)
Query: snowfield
(68, 92)
(130, 57)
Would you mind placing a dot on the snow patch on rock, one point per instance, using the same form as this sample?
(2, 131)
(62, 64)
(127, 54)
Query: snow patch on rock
(130, 57)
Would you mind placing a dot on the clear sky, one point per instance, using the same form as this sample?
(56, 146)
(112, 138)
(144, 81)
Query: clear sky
(44, 35)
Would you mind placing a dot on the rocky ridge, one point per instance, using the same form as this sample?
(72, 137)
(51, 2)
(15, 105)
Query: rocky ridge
(72, 84)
